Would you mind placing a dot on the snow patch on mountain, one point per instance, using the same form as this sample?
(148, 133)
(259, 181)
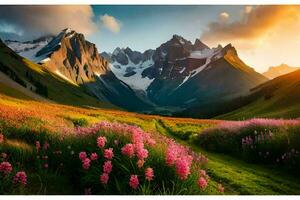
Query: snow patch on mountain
(30, 48)
(131, 73)
(206, 53)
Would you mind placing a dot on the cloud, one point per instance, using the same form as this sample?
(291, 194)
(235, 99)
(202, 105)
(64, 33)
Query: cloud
(40, 20)
(256, 23)
(224, 16)
(111, 23)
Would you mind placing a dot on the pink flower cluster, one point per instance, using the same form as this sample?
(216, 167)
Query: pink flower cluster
(179, 156)
(101, 142)
(234, 126)
(249, 141)
(5, 168)
(203, 179)
(149, 174)
(134, 181)
(86, 162)
(136, 132)
(104, 178)
(108, 153)
(94, 156)
(107, 167)
(21, 178)
(128, 150)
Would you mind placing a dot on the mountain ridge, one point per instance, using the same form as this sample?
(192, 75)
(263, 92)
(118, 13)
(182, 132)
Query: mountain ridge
(275, 71)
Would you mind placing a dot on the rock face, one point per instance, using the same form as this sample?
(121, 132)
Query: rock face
(180, 75)
(77, 61)
(177, 76)
(72, 57)
(276, 71)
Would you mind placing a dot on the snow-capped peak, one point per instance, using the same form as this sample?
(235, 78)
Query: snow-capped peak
(116, 51)
(67, 30)
(29, 49)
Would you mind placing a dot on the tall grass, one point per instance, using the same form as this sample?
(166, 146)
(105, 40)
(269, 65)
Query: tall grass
(266, 141)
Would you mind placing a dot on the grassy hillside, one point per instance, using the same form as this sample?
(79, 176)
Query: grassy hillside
(278, 98)
(49, 85)
(59, 130)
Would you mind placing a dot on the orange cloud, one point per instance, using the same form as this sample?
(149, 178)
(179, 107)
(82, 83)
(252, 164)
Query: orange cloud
(111, 23)
(256, 22)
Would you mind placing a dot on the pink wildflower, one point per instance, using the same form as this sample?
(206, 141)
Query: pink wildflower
(86, 163)
(5, 168)
(20, 177)
(128, 150)
(142, 153)
(101, 141)
(134, 181)
(202, 183)
(171, 156)
(107, 167)
(140, 163)
(46, 165)
(82, 155)
(149, 174)
(108, 153)
(183, 167)
(94, 156)
(104, 178)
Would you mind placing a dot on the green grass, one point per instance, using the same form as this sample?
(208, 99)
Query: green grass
(239, 177)
(277, 98)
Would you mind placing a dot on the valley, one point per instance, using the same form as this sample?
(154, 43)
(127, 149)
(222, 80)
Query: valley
(181, 119)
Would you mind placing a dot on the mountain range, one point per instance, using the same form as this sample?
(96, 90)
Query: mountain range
(177, 78)
(276, 71)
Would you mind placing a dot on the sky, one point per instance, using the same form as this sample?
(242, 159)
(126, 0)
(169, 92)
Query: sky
(264, 36)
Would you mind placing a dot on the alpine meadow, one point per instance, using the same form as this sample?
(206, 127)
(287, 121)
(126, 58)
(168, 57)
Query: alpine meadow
(149, 100)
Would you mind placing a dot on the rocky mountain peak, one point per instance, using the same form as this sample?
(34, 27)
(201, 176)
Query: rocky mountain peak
(199, 46)
(72, 57)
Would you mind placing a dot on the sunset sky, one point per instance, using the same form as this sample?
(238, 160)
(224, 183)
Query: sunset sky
(263, 35)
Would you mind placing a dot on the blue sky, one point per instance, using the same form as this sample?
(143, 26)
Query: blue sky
(264, 35)
(144, 27)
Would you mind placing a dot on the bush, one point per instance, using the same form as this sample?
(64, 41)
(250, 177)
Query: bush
(274, 142)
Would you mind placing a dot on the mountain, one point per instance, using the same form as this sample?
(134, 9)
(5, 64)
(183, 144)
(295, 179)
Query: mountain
(277, 98)
(276, 71)
(73, 58)
(180, 76)
(29, 49)
(39, 83)
(128, 66)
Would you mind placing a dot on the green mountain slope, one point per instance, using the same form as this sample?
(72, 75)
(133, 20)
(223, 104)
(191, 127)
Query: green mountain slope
(278, 98)
(37, 79)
